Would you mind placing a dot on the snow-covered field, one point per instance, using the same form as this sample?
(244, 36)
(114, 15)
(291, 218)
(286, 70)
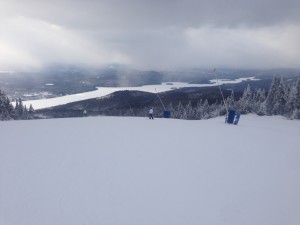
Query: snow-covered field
(135, 171)
(102, 91)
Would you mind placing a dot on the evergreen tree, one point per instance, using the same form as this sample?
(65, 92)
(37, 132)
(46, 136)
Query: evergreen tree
(21, 112)
(9, 107)
(25, 113)
(198, 110)
(245, 103)
(293, 100)
(31, 112)
(19, 109)
(259, 96)
(230, 101)
(6, 108)
(297, 95)
(280, 99)
(272, 94)
(295, 114)
(205, 110)
(216, 109)
(180, 111)
(189, 112)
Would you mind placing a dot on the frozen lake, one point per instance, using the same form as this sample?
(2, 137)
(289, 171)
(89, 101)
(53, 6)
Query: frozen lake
(103, 91)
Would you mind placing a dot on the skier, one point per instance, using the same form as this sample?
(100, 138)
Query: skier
(151, 113)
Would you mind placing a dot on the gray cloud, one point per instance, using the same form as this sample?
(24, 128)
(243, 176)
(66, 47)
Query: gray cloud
(151, 34)
(156, 13)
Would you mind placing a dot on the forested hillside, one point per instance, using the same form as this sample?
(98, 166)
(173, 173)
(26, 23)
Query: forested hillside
(281, 98)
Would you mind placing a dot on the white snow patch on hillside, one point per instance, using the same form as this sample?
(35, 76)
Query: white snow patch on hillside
(102, 91)
(117, 171)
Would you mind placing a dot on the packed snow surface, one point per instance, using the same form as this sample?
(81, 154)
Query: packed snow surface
(136, 171)
(103, 91)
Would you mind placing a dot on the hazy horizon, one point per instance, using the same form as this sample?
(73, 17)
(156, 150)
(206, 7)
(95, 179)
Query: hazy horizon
(122, 67)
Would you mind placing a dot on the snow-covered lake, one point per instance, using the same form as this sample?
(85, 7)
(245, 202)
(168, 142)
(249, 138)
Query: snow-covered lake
(136, 171)
(103, 91)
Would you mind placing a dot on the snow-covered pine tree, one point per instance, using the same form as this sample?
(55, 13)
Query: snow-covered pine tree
(205, 110)
(189, 113)
(216, 109)
(202, 110)
(293, 101)
(272, 95)
(31, 112)
(6, 108)
(230, 101)
(198, 113)
(280, 99)
(21, 112)
(297, 95)
(258, 98)
(19, 109)
(296, 114)
(179, 112)
(245, 103)
(9, 107)
(25, 113)
(3, 112)
(261, 95)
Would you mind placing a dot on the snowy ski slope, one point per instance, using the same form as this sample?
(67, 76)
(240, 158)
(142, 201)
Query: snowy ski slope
(135, 171)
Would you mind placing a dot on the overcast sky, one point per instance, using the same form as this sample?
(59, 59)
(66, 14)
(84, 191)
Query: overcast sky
(150, 34)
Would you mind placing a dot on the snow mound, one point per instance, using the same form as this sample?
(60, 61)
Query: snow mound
(117, 171)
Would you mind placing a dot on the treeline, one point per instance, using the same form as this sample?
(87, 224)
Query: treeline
(9, 112)
(281, 99)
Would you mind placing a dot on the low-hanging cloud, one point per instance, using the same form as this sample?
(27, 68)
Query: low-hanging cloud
(257, 47)
(151, 34)
(36, 43)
